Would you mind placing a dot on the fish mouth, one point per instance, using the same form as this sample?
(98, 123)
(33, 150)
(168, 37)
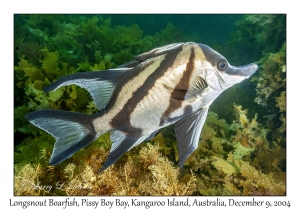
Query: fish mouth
(245, 71)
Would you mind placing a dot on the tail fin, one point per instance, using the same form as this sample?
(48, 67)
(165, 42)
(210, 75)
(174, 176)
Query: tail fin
(71, 130)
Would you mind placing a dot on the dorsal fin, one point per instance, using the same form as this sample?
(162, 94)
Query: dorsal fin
(151, 54)
(99, 84)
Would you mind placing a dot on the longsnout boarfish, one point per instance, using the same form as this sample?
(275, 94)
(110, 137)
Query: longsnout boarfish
(172, 84)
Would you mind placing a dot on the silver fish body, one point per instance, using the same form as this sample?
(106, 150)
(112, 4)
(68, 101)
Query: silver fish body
(173, 84)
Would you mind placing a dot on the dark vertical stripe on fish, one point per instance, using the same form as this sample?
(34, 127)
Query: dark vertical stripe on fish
(179, 92)
(123, 80)
(122, 119)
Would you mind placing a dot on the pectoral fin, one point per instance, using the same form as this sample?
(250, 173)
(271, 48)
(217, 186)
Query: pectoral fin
(98, 83)
(197, 86)
(187, 132)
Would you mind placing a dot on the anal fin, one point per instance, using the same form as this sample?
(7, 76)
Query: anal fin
(121, 144)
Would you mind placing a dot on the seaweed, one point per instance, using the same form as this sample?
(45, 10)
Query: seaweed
(26, 179)
(255, 36)
(230, 164)
(149, 174)
(271, 93)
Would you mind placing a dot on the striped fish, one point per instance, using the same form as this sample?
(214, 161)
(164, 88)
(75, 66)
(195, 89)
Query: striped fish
(173, 84)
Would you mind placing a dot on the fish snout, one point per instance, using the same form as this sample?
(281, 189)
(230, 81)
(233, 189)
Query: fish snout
(244, 71)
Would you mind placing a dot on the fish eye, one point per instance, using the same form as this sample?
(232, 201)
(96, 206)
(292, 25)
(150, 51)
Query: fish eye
(222, 65)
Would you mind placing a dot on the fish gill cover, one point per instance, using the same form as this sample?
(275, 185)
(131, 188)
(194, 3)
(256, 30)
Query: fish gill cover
(243, 142)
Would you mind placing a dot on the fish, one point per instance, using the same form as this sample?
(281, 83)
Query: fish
(172, 84)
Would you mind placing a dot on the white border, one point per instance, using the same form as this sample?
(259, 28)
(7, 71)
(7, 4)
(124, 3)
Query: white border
(8, 8)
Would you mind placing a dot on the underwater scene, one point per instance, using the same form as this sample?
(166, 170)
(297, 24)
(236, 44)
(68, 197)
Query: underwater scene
(242, 146)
